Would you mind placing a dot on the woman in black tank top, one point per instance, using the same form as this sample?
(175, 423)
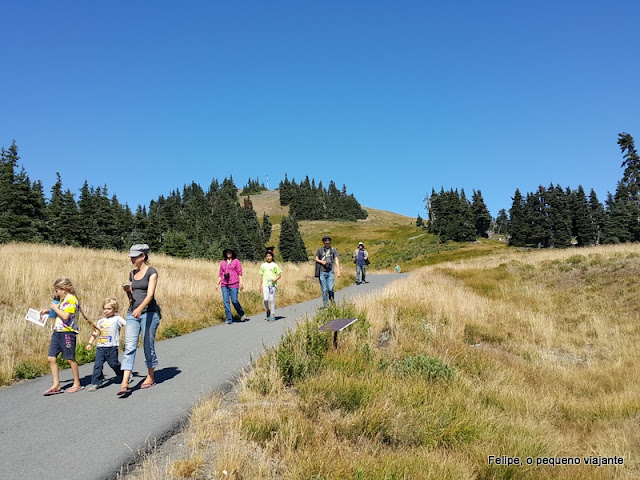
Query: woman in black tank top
(143, 317)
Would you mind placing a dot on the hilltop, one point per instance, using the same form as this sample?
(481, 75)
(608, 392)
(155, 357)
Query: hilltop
(390, 238)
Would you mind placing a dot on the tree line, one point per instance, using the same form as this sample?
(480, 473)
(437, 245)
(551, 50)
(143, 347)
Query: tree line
(307, 201)
(188, 223)
(551, 216)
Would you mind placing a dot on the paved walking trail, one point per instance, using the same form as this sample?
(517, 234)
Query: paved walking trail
(90, 435)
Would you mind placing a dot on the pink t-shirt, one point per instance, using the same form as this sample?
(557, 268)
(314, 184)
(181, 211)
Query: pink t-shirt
(234, 269)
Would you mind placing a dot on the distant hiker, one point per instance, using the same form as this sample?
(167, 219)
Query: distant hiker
(326, 262)
(107, 342)
(64, 309)
(397, 269)
(271, 273)
(361, 259)
(230, 282)
(143, 317)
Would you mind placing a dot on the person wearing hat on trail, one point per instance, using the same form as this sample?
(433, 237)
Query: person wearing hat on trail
(271, 273)
(326, 263)
(230, 282)
(360, 258)
(143, 317)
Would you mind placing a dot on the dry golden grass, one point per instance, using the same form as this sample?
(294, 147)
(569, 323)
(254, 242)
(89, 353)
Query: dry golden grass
(185, 292)
(544, 350)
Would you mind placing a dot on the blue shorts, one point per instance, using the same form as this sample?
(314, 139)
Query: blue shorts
(65, 343)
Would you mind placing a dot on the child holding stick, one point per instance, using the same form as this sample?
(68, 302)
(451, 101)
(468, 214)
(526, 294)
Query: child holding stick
(107, 339)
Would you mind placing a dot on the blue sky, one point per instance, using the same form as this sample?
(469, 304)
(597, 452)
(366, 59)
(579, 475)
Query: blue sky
(390, 98)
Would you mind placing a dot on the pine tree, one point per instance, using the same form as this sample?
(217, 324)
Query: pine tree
(598, 215)
(559, 217)
(291, 246)
(266, 228)
(631, 164)
(419, 221)
(482, 217)
(502, 222)
(583, 225)
(519, 230)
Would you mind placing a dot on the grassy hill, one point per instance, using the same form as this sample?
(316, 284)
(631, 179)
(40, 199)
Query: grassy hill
(390, 238)
(530, 355)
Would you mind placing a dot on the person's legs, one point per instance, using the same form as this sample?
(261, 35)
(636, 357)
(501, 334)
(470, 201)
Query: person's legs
(76, 373)
(150, 323)
(364, 273)
(325, 289)
(226, 292)
(131, 334)
(98, 377)
(272, 300)
(330, 283)
(69, 354)
(111, 356)
(54, 350)
(235, 302)
(358, 270)
(265, 296)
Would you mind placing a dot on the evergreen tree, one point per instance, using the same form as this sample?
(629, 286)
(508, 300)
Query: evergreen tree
(291, 245)
(451, 216)
(482, 217)
(559, 217)
(419, 221)
(502, 222)
(266, 227)
(583, 227)
(598, 215)
(631, 164)
(19, 203)
(518, 223)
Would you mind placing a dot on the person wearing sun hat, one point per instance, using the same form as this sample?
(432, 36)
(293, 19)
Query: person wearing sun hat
(360, 258)
(230, 282)
(326, 263)
(143, 317)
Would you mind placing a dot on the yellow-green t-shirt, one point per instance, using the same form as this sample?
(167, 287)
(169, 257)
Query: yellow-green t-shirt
(70, 305)
(269, 271)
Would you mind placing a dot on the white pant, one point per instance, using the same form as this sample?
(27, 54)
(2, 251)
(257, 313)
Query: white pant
(269, 294)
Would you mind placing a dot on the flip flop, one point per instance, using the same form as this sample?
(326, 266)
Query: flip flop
(124, 391)
(147, 385)
(73, 389)
(52, 391)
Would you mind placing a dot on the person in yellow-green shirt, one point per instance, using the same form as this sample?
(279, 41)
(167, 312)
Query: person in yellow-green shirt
(271, 273)
(65, 308)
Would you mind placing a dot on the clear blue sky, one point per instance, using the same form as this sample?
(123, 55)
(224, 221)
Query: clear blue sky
(390, 98)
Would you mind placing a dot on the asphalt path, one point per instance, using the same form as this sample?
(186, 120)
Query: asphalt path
(91, 435)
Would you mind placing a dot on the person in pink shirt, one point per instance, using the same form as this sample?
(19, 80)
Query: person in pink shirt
(230, 282)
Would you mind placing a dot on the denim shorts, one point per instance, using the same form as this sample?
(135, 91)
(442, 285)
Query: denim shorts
(65, 343)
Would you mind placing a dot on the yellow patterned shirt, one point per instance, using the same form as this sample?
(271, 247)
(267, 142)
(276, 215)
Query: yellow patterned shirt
(70, 305)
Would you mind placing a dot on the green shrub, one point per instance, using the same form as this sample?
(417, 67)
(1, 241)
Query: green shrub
(430, 367)
(82, 356)
(171, 332)
(301, 352)
(27, 370)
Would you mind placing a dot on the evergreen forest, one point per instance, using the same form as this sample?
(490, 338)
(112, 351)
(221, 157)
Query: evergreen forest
(551, 216)
(307, 201)
(192, 223)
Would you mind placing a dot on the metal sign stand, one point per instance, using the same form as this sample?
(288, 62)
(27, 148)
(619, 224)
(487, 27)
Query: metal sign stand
(336, 326)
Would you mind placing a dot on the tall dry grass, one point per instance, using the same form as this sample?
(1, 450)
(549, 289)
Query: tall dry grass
(185, 292)
(524, 354)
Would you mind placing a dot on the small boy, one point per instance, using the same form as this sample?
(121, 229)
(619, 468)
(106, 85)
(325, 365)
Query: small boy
(271, 273)
(108, 340)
